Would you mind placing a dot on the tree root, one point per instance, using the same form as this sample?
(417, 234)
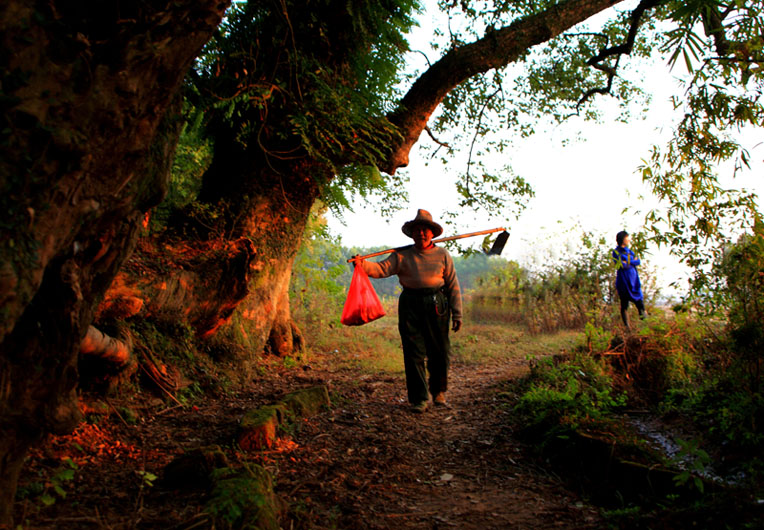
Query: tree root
(106, 361)
(98, 344)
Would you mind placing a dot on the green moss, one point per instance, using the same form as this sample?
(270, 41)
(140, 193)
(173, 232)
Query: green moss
(260, 416)
(167, 339)
(129, 415)
(240, 337)
(172, 342)
(244, 499)
(307, 402)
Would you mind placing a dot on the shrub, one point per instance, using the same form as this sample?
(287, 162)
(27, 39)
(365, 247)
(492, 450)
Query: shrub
(742, 269)
(728, 401)
(564, 392)
(316, 293)
(192, 158)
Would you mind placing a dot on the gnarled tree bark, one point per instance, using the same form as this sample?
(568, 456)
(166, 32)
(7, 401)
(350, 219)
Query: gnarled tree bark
(113, 350)
(85, 88)
(267, 202)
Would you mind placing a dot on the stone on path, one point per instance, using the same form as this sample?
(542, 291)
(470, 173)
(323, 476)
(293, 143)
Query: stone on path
(193, 470)
(244, 498)
(258, 428)
(307, 402)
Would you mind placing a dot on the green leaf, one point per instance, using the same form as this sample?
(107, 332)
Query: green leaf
(47, 500)
(65, 474)
(687, 61)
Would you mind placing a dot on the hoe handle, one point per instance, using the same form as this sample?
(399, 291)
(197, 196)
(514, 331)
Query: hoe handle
(441, 240)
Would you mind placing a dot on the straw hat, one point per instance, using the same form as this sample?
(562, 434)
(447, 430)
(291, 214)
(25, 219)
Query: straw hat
(423, 217)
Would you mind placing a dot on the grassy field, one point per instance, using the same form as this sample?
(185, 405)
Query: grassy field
(375, 347)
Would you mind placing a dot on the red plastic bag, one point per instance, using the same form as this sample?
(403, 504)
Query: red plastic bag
(362, 304)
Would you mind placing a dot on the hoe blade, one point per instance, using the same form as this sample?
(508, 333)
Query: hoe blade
(498, 245)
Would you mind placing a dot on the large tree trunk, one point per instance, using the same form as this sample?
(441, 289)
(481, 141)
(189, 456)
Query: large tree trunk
(228, 275)
(197, 282)
(262, 321)
(267, 203)
(85, 87)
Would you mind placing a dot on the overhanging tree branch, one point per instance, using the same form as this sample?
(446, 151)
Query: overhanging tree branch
(619, 50)
(714, 28)
(435, 139)
(495, 50)
(477, 132)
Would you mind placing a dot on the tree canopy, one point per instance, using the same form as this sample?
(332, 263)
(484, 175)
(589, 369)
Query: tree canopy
(338, 92)
(715, 48)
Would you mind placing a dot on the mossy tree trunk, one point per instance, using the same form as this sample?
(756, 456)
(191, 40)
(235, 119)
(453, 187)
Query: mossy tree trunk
(267, 202)
(223, 266)
(82, 156)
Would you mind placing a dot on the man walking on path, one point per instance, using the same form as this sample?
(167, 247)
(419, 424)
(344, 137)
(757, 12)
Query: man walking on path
(627, 278)
(430, 299)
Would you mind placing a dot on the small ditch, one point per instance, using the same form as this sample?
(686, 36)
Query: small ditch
(665, 439)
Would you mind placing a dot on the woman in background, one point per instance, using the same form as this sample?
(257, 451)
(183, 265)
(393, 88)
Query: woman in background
(627, 278)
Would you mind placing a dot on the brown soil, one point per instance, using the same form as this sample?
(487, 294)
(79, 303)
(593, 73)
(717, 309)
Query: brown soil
(367, 463)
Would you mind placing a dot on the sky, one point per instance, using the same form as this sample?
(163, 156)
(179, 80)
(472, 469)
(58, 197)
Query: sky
(585, 183)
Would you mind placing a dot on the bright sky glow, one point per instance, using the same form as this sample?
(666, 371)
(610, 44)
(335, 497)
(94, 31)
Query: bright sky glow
(584, 182)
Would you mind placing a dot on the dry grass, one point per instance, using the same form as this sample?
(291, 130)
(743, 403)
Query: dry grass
(479, 342)
(375, 347)
(545, 314)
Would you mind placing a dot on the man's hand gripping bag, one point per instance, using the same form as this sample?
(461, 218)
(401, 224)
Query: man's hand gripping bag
(362, 304)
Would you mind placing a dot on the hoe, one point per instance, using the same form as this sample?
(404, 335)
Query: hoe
(495, 250)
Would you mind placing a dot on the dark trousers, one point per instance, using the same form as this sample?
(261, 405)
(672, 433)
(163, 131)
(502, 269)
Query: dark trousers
(625, 299)
(423, 319)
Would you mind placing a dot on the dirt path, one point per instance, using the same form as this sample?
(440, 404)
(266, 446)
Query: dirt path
(366, 463)
(370, 463)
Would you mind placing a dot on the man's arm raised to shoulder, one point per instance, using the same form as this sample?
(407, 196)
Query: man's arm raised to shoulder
(381, 269)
